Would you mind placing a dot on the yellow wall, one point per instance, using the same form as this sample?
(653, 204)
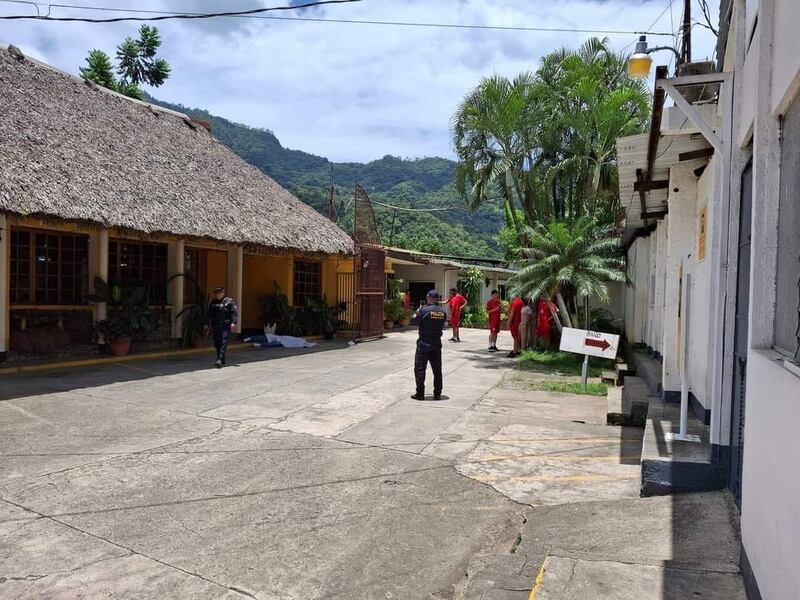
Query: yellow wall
(259, 274)
(217, 269)
(331, 268)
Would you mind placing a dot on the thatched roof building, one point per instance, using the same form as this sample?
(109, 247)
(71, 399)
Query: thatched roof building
(71, 150)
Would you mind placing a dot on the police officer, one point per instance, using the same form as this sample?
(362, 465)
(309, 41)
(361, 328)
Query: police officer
(431, 319)
(222, 316)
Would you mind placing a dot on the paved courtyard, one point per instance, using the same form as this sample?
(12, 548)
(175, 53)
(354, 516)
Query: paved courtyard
(288, 474)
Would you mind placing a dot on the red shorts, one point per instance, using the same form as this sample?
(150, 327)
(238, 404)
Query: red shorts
(455, 318)
(514, 329)
(494, 326)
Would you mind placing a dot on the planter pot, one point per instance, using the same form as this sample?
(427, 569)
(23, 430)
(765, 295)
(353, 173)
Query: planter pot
(120, 347)
(387, 324)
(404, 323)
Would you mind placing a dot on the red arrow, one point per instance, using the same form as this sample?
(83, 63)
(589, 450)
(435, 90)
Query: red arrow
(602, 343)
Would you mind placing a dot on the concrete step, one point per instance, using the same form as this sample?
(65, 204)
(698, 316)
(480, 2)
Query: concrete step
(611, 376)
(576, 579)
(670, 466)
(627, 405)
(646, 367)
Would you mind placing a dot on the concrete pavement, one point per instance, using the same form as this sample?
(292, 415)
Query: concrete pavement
(293, 474)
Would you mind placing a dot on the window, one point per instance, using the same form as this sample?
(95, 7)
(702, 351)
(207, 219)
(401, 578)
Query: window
(307, 281)
(787, 292)
(48, 267)
(134, 264)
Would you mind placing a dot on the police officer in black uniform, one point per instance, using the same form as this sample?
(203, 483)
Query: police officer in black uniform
(431, 319)
(222, 316)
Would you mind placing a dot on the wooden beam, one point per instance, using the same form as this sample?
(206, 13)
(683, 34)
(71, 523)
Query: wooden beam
(642, 199)
(691, 113)
(646, 186)
(695, 154)
(656, 214)
(703, 79)
(659, 95)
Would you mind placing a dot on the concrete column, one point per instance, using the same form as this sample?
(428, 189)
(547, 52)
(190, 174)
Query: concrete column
(681, 240)
(235, 272)
(175, 256)
(641, 290)
(5, 285)
(659, 267)
(98, 267)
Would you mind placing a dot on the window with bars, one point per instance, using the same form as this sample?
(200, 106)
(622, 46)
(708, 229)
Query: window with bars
(134, 264)
(49, 268)
(787, 292)
(307, 281)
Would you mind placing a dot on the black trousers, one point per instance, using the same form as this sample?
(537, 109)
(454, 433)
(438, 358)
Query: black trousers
(428, 353)
(221, 335)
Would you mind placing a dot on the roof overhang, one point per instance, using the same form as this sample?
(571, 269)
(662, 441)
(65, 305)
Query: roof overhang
(678, 134)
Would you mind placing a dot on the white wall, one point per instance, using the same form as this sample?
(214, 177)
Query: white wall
(658, 264)
(636, 294)
(700, 300)
(680, 243)
(770, 519)
(771, 487)
(434, 273)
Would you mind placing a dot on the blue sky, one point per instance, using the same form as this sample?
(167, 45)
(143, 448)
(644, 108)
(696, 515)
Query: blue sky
(346, 91)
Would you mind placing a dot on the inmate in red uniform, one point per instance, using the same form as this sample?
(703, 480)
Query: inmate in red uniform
(494, 317)
(543, 320)
(515, 316)
(456, 302)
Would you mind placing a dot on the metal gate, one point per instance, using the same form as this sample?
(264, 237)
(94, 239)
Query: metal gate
(370, 278)
(740, 336)
(346, 295)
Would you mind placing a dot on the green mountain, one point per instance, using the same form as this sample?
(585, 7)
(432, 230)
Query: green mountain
(418, 183)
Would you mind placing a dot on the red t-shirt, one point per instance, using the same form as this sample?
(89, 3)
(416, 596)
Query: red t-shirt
(494, 317)
(455, 305)
(515, 314)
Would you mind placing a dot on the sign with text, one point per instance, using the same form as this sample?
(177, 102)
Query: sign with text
(593, 343)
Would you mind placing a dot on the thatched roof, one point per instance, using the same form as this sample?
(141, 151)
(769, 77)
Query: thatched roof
(74, 151)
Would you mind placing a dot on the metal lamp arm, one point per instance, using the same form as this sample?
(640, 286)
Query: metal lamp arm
(657, 48)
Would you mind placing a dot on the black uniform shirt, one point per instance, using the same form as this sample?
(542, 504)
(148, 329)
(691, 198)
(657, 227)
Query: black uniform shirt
(431, 320)
(223, 313)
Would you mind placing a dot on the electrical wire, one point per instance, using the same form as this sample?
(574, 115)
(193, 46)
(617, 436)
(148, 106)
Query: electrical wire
(163, 15)
(160, 17)
(403, 208)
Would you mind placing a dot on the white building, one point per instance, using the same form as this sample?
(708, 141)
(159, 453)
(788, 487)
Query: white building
(713, 205)
(422, 272)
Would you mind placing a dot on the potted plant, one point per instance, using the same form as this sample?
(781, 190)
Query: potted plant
(194, 315)
(128, 315)
(278, 313)
(405, 317)
(392, 311)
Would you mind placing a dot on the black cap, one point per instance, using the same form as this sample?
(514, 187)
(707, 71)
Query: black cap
(434, 294)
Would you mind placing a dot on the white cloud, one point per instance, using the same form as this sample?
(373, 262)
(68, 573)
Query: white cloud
(347, 91)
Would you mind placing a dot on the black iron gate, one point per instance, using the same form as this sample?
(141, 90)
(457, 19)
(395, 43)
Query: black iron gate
(740, 342)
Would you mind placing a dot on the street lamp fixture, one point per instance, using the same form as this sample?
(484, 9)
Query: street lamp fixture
(640, 61)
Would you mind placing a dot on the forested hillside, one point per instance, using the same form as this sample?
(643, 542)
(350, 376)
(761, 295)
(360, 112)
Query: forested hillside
(419, 183)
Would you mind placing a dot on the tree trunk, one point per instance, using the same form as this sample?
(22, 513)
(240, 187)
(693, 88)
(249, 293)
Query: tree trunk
(562, 306)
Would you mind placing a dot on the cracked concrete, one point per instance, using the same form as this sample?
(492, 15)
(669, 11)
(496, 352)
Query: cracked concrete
(299, 474)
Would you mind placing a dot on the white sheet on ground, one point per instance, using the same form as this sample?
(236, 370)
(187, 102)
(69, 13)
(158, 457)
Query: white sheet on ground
(287, 341)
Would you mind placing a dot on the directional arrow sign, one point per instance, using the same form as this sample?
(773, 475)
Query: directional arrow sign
(602, 343)
(593, 343)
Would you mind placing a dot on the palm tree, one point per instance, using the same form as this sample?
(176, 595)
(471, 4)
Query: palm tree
(575, 260)
(595, 102)
(546, 142)
(494, 137)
